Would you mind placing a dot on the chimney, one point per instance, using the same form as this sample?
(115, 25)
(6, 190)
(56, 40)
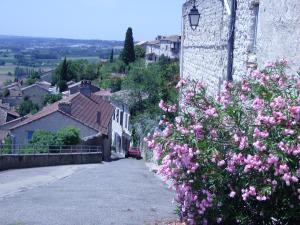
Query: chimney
(99, 117)
(65, 107)
(85, 88)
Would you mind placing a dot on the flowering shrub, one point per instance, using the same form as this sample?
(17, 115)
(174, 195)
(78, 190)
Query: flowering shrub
(235, 159)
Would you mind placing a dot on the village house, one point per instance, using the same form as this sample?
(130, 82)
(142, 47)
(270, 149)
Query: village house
(35, 92)
(121, 135)
(168, 46)
(233, 36)
(89, 113)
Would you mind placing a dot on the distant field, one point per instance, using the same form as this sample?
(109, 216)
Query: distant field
(94, 59)
(4, 70)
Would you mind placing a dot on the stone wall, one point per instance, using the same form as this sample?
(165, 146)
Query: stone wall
(205, 50)
(279, 31)
(204, 54)
(244, 36)
(28, 161)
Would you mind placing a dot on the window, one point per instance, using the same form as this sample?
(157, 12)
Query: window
(29, 135)
(114, 116)
(121, 118)
(117, 116)
(254, 28)
(126, 121)
(99, 117)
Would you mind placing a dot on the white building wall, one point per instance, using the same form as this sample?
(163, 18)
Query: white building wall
(279, 31)
(204, 51)
(118, 129)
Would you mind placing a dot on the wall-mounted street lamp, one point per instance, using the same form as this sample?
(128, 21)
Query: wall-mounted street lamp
(194, 17)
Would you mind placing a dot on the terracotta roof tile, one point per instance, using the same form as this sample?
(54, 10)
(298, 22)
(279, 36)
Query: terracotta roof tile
(83, 109)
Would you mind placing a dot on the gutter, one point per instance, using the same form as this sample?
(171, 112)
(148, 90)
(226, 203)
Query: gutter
(230, 47)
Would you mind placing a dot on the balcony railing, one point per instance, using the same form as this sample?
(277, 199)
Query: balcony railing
(48, 149)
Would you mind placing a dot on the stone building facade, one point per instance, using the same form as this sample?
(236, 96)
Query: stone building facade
(168, 46)
(261, 31)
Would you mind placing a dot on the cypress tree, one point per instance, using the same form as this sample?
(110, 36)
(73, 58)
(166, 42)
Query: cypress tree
(64, 70)
(63, 76)
(111, 58)
(128, 54)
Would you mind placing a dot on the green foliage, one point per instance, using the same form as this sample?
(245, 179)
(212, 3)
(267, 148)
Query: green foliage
(106, 80)
(128, 54)
(62, 85)
(30, 81)
(69, 136)
(65, 136)
(33, 77)
(7, 145)
(148, 84)
(76, 70)
(26, 107)
(41, 138)
(139, 52)
(51, 98)
(25, 71)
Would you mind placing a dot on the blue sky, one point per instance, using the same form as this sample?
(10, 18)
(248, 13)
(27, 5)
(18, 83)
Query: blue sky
(90, 19)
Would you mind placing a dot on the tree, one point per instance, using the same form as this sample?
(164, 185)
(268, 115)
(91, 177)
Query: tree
(26, 107)
(128, 54)
(111, 58)
(69, 136)
(64, 136)
(62, 75)
(64, 70)
(51, 98)
(139, 52)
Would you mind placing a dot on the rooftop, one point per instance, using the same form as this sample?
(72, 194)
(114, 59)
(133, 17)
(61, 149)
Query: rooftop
(82, 108)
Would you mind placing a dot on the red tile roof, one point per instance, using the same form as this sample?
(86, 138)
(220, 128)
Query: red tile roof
(83, 109)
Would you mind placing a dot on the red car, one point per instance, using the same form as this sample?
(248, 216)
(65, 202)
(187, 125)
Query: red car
(134, 152)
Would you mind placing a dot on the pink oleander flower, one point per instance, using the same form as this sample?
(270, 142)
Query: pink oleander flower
(295, 111)
(242, 146)
(232, 194)
(245, 86)
(260, 146)
(269, 64)
(260, 134)
(211, 112)
(278, 103)
(181, 83)
(221, 163)
(288, 132)
(258, 104)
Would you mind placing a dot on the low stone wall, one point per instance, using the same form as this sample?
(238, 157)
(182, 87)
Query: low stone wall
(28, 161)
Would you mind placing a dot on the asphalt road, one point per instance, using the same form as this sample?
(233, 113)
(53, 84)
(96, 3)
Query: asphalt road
(123, 192)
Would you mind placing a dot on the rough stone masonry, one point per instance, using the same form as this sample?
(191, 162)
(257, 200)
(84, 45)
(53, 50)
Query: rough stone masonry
(264, 30)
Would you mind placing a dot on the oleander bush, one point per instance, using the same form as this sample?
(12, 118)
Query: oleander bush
(235, 159)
